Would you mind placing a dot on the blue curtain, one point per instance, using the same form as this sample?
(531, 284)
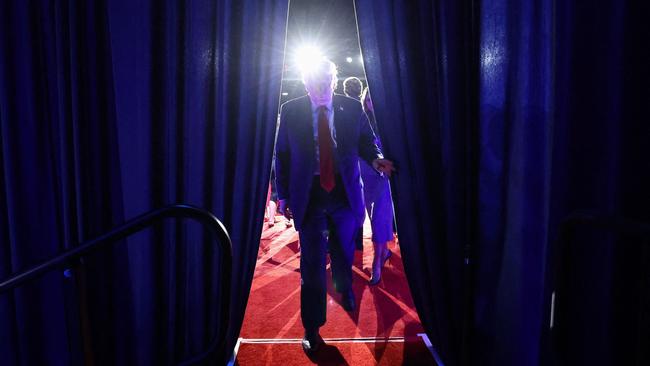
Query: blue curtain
(517, 90)
(417, 61)
(503, 117)
(111, 109)
(60, 178)
(561, 121)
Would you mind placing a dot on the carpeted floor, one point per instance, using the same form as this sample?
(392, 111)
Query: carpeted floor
(383, 330)
(358, 352)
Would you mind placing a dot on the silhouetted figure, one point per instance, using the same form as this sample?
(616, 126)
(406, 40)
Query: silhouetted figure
(379, 205)
(352, 87)
(320, 140)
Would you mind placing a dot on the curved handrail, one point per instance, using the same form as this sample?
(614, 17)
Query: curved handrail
(133, 226)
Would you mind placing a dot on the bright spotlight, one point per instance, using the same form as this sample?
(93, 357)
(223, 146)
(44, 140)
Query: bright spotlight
(349, 59)
(306, 58)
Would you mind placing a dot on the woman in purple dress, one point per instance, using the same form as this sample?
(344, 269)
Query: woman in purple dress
(379, 205)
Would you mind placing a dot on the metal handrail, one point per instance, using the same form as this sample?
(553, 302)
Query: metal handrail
(133, 226)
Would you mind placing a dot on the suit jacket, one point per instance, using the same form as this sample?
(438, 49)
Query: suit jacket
(295, 152)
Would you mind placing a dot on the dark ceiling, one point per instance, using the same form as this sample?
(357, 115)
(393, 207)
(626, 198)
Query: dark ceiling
(331, 26)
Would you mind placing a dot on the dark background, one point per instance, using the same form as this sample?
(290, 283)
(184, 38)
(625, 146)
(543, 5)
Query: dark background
(329, 25)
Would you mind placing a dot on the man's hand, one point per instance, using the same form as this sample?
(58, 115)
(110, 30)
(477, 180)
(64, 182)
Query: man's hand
(283, 208)
(383, 166)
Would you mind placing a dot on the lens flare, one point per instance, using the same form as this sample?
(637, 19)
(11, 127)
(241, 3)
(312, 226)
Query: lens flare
(306, 57)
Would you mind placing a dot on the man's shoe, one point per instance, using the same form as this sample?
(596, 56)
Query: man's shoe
(312, 342)
(347, 300)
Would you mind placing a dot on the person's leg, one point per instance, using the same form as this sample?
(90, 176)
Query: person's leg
(313, 289)
(381, 222)
(358, 238)
(371, 181)
(381, 217)
(271, 209)
(267, 217)
(380, 256)
(342, 246)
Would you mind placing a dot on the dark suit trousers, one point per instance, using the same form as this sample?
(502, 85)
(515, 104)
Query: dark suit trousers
(328, 217)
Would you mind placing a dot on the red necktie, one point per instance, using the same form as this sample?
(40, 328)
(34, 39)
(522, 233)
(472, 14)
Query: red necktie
(327, 180)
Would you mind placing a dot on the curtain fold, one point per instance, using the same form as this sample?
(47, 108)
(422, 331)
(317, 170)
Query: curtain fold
(503, 117)
(417, 61)
(560, 125)
(109, 110)
(59, 182)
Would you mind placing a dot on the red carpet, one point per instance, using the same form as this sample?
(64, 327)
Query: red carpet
(384, 319)
(410, 351)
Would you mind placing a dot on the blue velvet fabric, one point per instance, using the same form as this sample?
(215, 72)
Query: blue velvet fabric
(560, 127)
(111, 109)
(516, 93)
(60, 180)
(415, 56)
(503, 117)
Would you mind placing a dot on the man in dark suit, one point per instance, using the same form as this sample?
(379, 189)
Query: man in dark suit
(320, 140)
